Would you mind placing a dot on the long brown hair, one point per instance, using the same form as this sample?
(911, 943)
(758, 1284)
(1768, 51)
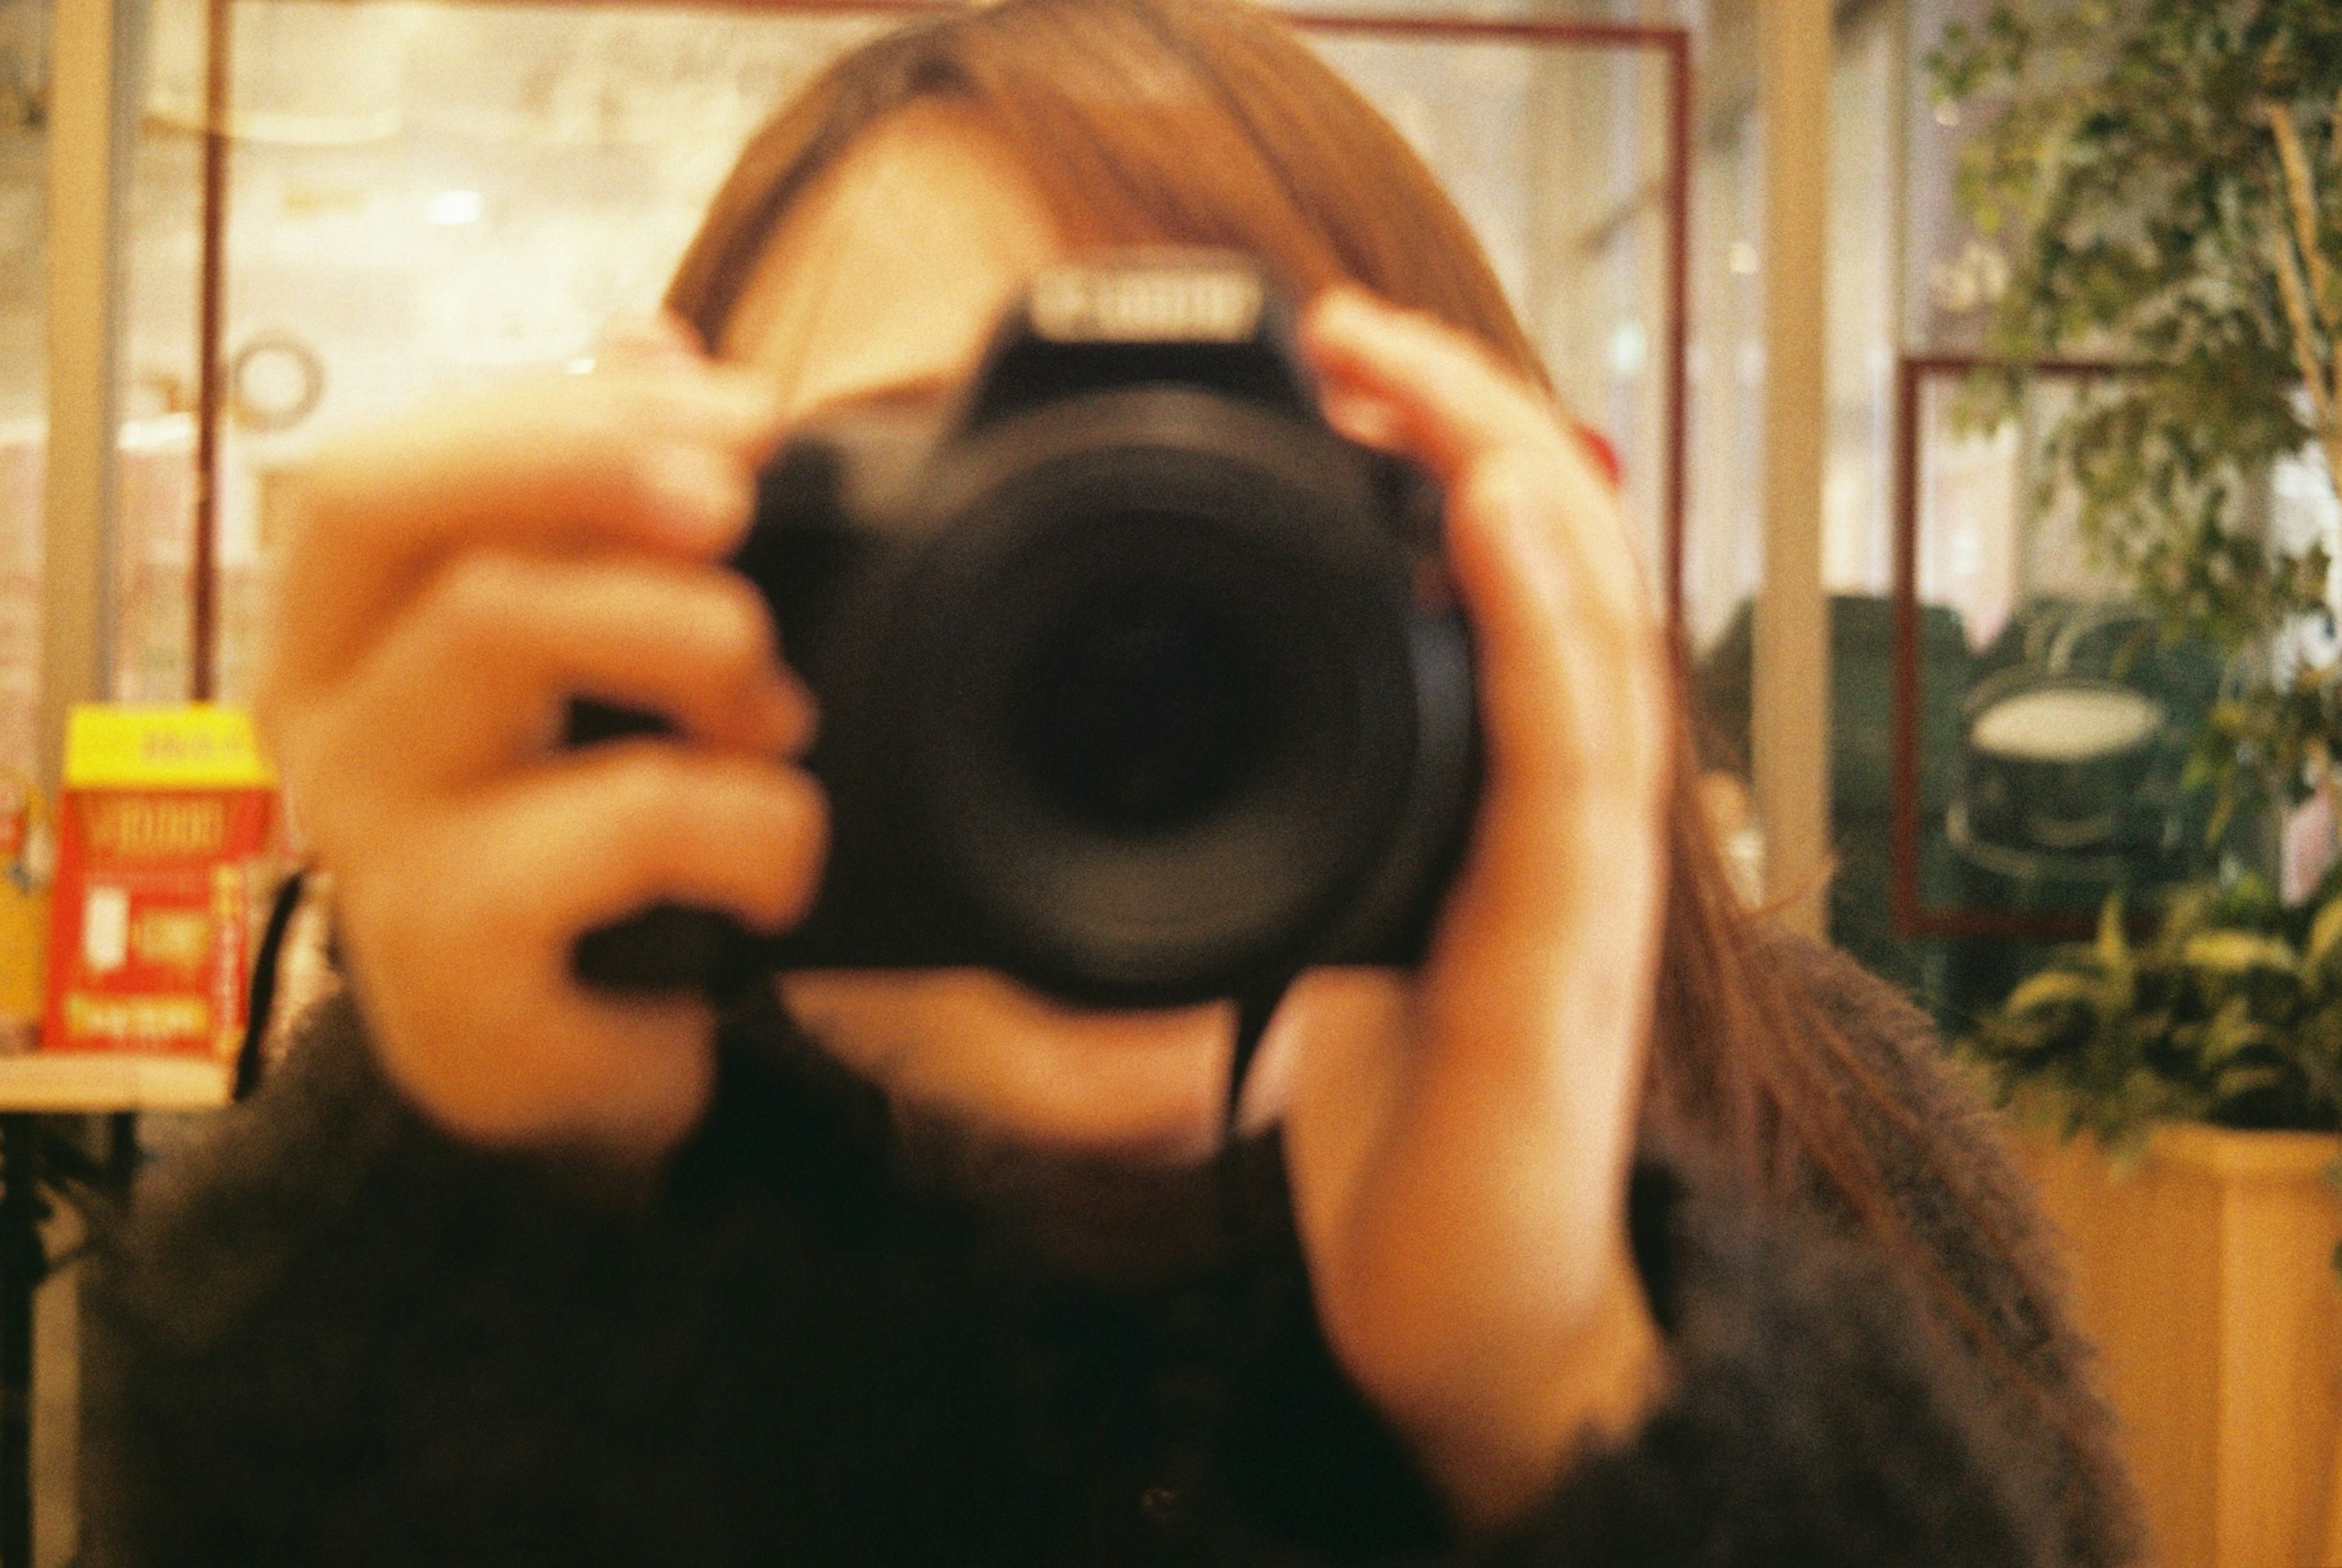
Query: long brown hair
(1208, 121)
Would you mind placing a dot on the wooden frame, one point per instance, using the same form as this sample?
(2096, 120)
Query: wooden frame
(1913, 917)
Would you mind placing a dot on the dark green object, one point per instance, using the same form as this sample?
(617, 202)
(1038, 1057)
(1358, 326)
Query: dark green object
(1862, 769)
(2230, 1014)
(2162, 839)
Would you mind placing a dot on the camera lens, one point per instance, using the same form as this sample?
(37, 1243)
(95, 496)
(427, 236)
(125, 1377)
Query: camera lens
(1150, 692)
(1144, 710)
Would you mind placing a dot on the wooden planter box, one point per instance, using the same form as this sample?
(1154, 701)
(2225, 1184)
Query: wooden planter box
(2205, 1274)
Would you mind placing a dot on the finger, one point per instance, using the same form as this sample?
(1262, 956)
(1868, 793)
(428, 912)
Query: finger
(479, 1023)
(1373, 421)
(1369, 420)
(1405, 381)
(1457, 403)
(631, 824)
(635, 340)
(1572, 691)
(627, 1077)
(1568, 645)
(663, 464)
(480, 672)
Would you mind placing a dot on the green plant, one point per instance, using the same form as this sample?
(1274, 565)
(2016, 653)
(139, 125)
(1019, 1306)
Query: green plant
(2164, 178)
(2230, 1012)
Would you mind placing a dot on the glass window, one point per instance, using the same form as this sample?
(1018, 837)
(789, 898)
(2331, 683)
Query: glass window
(421, 195)
(418, 196)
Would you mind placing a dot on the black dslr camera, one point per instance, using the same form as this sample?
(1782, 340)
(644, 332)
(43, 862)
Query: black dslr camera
(1137, 682)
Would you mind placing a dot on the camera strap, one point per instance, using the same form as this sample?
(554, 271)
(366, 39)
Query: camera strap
(261, 1004)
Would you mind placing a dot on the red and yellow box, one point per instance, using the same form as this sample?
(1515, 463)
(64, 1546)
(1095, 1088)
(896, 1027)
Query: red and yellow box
(25, 866)
(163, 837)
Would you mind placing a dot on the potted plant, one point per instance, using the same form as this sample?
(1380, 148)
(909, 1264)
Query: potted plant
(2229, 1012)
(2161, 183)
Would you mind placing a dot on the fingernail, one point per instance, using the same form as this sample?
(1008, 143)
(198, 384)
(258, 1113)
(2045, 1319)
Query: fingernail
(703, 496)
(645, 337)
(730, 409)
(791, 717)
(1370, 421)
(1338, 305)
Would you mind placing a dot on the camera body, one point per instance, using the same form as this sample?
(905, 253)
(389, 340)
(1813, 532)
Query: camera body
(1137, 682)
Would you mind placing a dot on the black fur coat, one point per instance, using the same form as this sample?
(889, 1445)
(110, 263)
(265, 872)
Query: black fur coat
(330, 1335)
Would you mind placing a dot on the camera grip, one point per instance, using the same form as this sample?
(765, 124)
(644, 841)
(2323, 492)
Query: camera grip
(667, 948)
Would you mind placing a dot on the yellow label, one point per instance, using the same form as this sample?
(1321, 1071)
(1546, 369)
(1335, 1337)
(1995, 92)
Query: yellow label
(141, 827)
(185, 745)
(24, 914)
(172, 938)
(23, 954)
(136, 1020)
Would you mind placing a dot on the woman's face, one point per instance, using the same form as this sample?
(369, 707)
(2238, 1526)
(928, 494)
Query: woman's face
(884, 285)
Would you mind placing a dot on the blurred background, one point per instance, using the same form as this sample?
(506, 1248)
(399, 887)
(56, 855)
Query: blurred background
(417, 195)
(1942, 722)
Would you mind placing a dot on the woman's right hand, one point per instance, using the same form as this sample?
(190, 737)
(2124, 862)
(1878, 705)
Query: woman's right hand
(452, 581)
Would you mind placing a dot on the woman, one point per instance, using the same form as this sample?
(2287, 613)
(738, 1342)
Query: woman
(1618, 1232)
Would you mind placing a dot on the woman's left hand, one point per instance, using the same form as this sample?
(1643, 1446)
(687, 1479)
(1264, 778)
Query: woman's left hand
(1462, 1200)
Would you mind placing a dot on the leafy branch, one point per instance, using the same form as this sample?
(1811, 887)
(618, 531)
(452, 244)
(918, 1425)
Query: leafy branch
(2230, 1014)
(2148, 167)
(2305, 280)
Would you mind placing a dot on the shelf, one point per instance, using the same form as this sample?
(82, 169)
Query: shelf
(95, 1081)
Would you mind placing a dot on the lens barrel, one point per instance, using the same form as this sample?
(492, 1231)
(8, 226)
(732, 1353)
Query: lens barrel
(1145, 685)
